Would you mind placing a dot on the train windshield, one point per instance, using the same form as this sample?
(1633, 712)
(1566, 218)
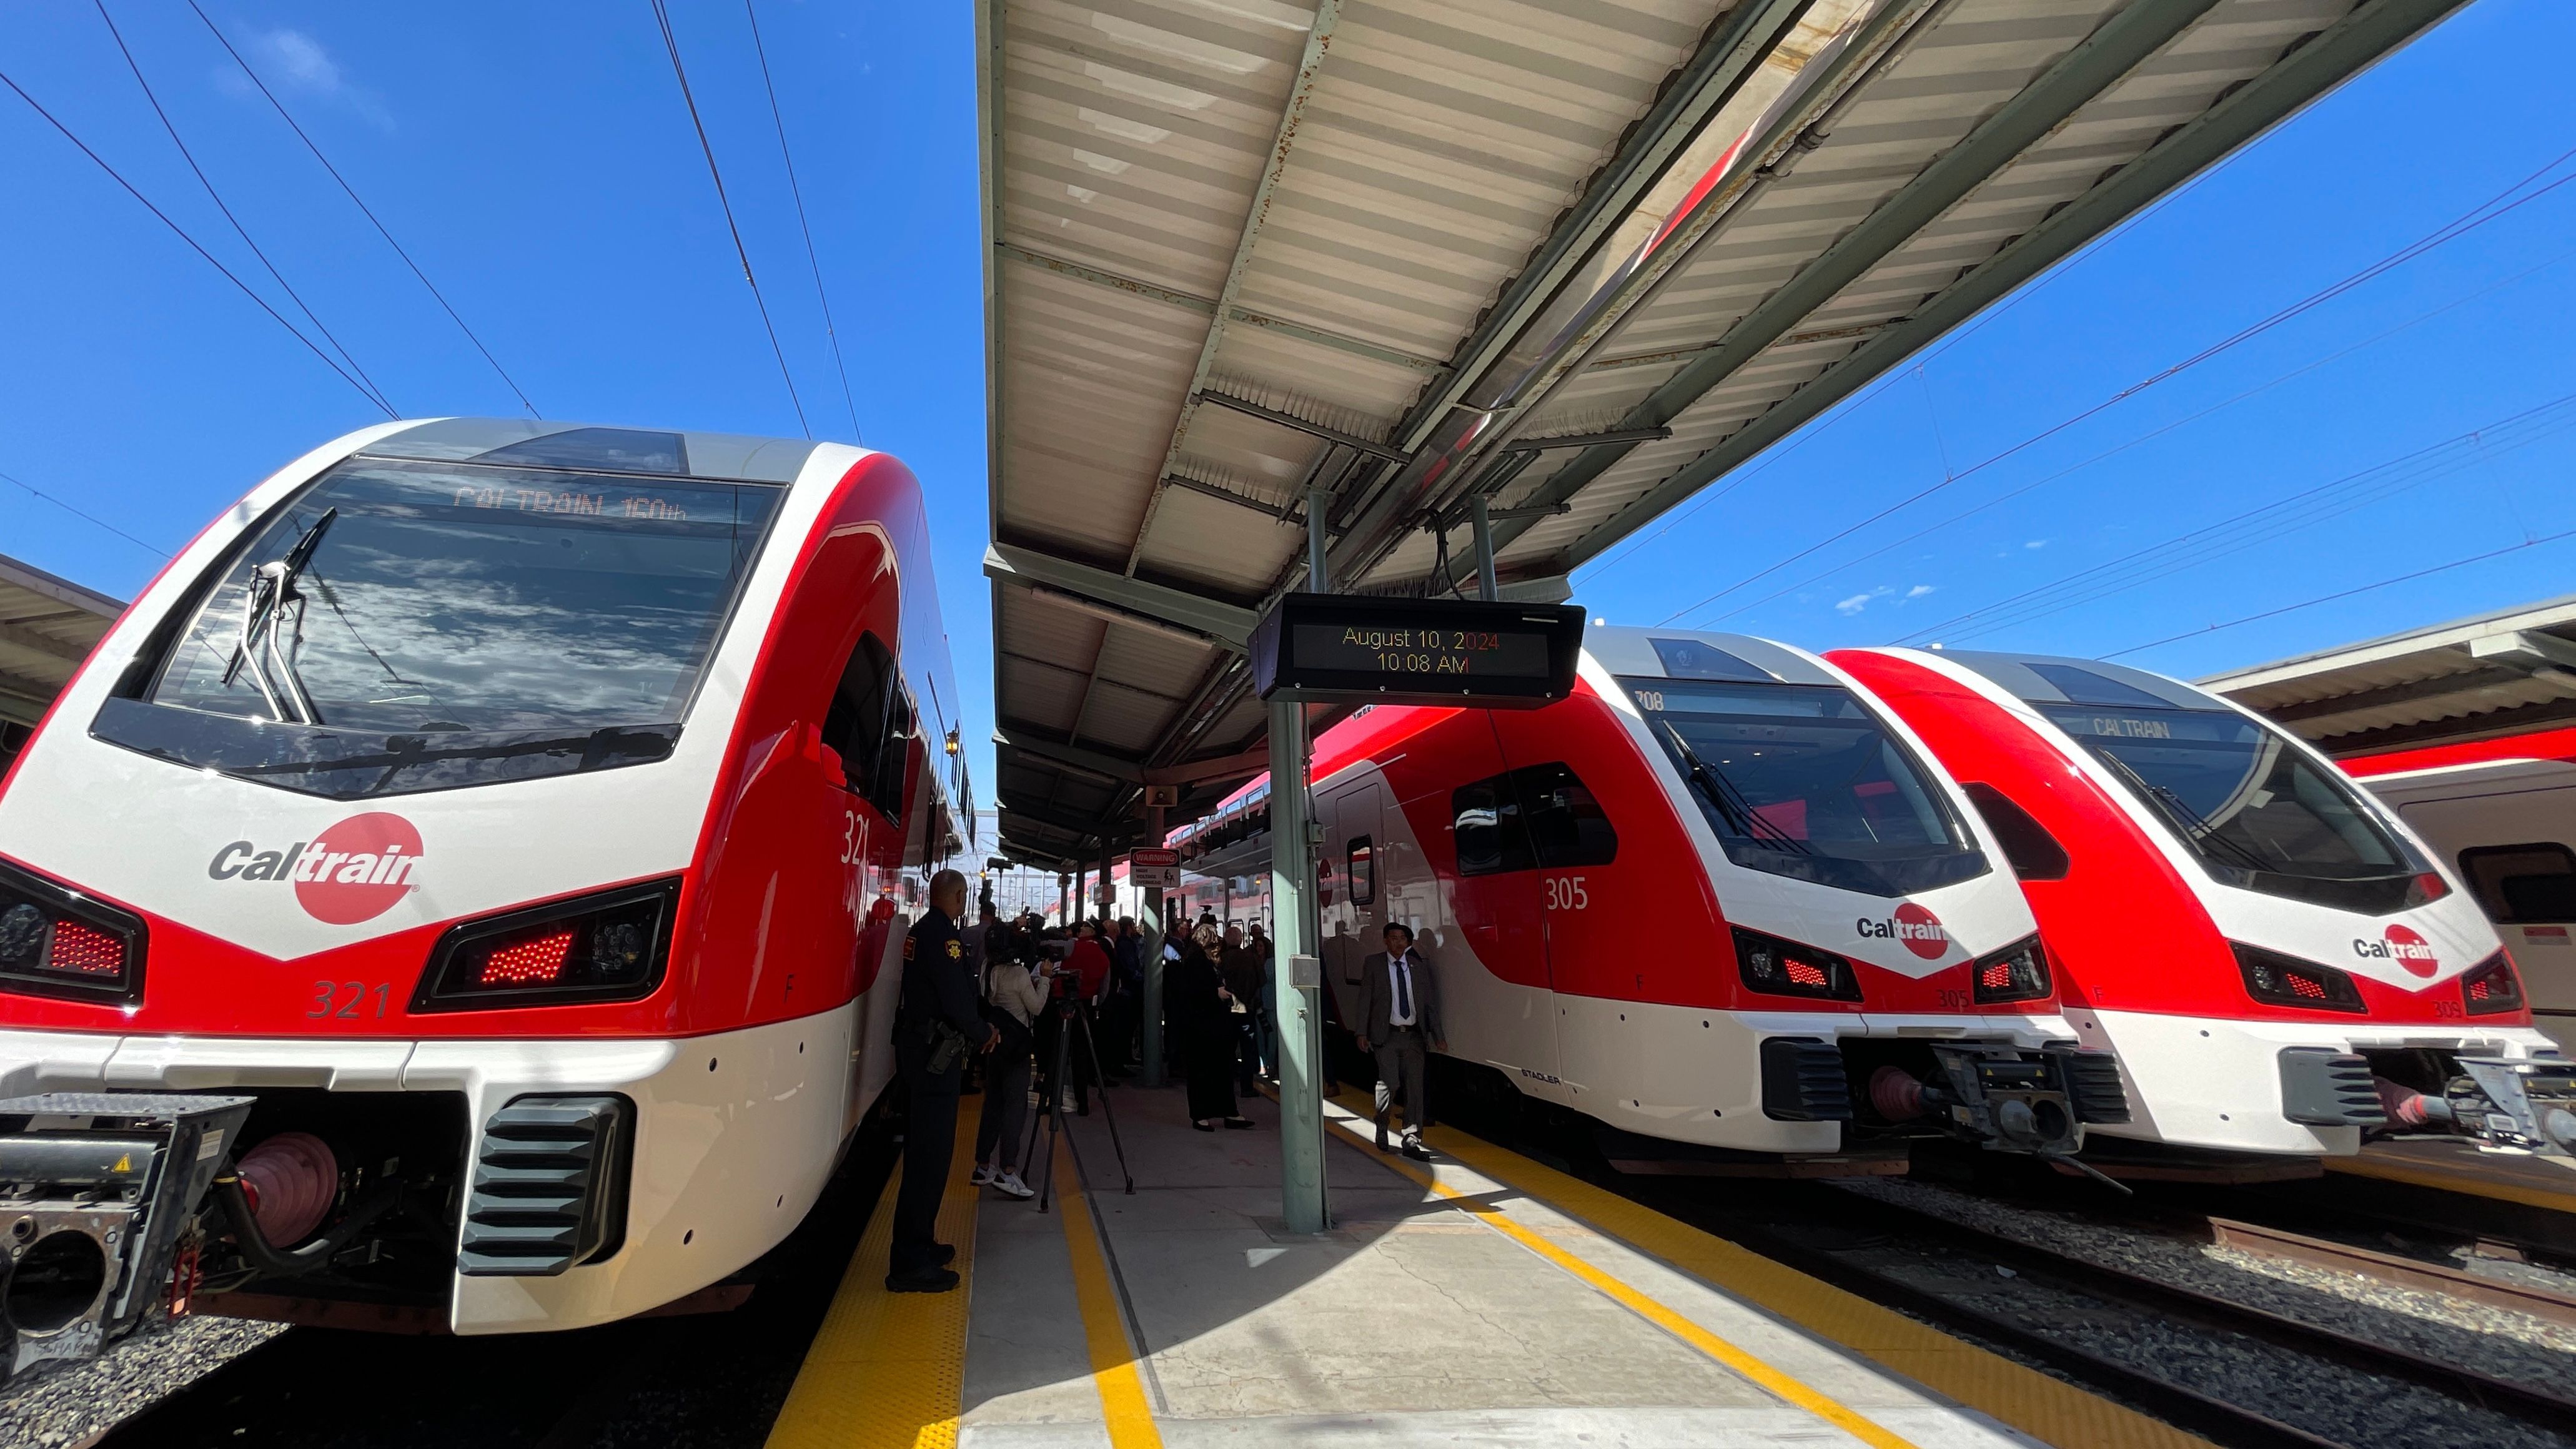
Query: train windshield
(2258, 813)
(405, 626)
(1803, 781)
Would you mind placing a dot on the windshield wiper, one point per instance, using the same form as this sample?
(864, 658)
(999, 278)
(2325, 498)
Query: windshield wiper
(2195, 826)
(1738, 811)
(265, 605)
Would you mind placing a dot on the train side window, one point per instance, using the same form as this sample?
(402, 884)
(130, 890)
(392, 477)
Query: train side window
(1362, 857)
(1566, 824)
(1490, 832)
(2519, 883)
(893, 755)
(854, 722)
(2033, 852)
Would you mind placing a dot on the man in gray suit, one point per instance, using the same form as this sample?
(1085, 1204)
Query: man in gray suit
(1399, 1015)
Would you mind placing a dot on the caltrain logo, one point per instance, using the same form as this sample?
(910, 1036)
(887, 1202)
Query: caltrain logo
(352, 872)
(1917, 928)
(2402, 946)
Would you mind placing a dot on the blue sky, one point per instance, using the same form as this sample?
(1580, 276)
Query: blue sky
(537, 162)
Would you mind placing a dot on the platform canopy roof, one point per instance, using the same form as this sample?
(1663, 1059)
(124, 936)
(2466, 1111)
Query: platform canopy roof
(1577, 259)
(2503, 673)
(47, 627)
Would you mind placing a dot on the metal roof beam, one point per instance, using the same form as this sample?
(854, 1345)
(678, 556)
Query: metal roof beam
(26, 638)
(2525, 648)
(1319, 40)
(1249, 408)
(1224, 624)
(2368, 32)
(2465, 687)
(2115, 48)
(1114, 769)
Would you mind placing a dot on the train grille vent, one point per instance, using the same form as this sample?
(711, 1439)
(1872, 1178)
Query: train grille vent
(2322, 1087)
(549, 1187)
(1803, 1081)
(2093, 1085)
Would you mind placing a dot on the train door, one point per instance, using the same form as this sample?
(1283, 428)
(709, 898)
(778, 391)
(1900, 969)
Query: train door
(1500, 1009)
(1590, 936)
(1350, 900)
(2511, 845)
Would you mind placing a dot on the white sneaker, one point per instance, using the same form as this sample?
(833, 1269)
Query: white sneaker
(983, 1175)
(1010, 1183)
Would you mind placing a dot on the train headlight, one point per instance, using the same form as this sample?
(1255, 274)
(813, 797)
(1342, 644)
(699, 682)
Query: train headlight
(2018, 972)
(2491, 986)
(56, 941)
(1785, 968)
(2281, 980)
(606, 947)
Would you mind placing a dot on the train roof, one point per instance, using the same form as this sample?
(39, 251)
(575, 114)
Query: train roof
(664, 452)
(2059, 679)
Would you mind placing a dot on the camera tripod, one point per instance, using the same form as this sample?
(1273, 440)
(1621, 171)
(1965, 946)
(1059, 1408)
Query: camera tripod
(1074, 1019)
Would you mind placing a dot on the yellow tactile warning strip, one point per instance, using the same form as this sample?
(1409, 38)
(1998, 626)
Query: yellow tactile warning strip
(2023, 1398)
(888, 1370)
(2447, 1179)
(1123, 1405)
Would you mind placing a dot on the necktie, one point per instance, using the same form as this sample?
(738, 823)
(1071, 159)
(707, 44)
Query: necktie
(1403, 989)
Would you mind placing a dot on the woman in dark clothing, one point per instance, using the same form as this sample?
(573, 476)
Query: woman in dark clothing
(1202, 1018)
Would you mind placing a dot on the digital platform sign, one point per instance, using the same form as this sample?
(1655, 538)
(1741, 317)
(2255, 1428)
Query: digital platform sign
(1353, 649)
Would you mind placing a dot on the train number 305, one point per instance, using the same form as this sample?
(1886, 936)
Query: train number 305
(1565, 893)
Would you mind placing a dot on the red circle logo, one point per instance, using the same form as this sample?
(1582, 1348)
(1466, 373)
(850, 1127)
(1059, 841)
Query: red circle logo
(2411, 952)
(357, 869)
(1921, 932)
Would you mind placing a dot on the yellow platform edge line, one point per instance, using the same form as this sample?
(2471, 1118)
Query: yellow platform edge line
(2021, 1398)
(2426, 1175)
(888, 1370)
(1124, 1408)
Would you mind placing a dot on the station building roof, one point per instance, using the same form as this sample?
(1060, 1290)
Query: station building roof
(1575, 261)
(2498, 674)
(48, 626)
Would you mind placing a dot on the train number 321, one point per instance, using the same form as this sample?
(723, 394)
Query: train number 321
(1565, 893)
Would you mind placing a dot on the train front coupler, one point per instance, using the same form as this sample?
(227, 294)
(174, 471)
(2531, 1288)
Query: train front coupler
(2005, 1098)
(2527, 1104)
(99, 1199)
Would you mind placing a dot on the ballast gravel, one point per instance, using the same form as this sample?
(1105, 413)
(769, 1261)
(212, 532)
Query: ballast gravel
(68, 1405)
(2339, 1403)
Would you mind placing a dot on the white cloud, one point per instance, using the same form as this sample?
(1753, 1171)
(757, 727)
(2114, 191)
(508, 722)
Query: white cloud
(2036, 543)
(1919, 590)
(294, 63)
(1858, 602)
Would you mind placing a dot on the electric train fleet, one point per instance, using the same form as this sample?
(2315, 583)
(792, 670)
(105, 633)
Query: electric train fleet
(461, 890)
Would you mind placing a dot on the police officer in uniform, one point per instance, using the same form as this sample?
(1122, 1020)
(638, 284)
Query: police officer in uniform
(937, 1027)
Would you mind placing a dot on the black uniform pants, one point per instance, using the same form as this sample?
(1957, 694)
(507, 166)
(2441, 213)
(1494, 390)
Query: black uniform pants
(929, 1143)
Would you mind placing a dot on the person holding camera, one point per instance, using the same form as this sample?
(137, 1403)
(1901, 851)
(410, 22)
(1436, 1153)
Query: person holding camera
(936, 1027)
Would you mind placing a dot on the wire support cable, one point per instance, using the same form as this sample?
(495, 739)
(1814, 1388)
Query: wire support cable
(2405, 578)
(798, 192)
(43, 497)
(2140, 440)
(366, 211)
(217, 197)
(2257, 526)
(2499, 205)
(193, 245)
(671, 43)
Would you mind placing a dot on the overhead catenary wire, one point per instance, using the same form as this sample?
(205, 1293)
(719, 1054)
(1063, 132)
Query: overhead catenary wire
(217, 197)
(366, 211)
(43, 497)
(671, 44)
(2140, 439)
(2494, 207)
(798, 192)
(193, 245)
(2270, 520)
(2405, 578)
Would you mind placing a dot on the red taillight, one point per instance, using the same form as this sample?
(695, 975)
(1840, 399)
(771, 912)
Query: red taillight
(1995, 975)
(1785, 968)
(82, 950)
(1805, 973)
(2018, 972)
(528, 961)
(2284, 980)
(2307, 986)
(2491, 986)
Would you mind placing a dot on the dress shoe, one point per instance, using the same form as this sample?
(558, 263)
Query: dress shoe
(1413, 1148)
(942, 1254)
(922, 1280)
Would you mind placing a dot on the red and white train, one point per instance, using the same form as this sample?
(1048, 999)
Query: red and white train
(520, 819)
(1719, 898)
(2278, 962)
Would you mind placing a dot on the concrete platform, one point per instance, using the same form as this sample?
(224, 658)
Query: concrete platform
(1483, 1300)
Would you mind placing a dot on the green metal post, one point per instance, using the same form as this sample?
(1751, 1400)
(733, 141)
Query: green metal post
(1297, 1005)
(1151, 1015)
